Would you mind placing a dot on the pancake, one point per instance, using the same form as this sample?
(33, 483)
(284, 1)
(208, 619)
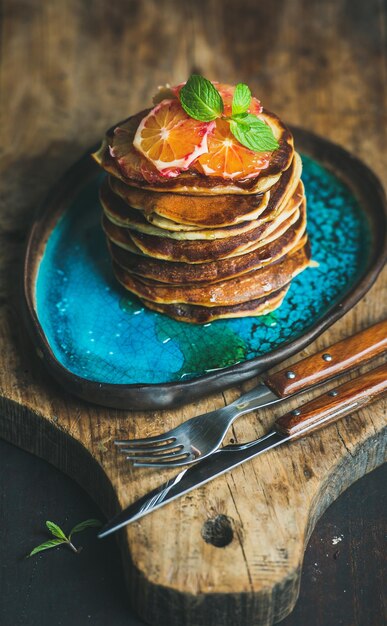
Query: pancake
(183, 273)
(203, 251)
(120, 237)
(197, 211)
(194, 211)
(195, 245)
(251, 286)
(202, 315)
(122, 215)
(273, 234)
(196, 251)
(118, 157)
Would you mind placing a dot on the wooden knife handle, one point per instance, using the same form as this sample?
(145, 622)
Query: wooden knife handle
(331, 406)
(340, 357)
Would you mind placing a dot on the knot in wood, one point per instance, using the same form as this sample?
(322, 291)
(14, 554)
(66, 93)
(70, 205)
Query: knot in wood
(218, 531)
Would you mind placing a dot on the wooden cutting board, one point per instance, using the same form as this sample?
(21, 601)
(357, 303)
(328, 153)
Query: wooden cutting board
(72, 83)
(230, 552)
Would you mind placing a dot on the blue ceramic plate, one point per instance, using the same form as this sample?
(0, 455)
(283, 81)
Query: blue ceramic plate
(105, 346)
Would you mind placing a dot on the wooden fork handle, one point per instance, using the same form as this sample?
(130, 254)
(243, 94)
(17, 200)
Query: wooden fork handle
(331, 406)
(337, 359)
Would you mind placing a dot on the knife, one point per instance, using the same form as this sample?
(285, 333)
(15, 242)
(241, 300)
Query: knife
(321, 411)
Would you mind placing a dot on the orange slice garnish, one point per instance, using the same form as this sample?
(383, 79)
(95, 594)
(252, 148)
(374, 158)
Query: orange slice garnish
(227, 158)
(170, 139)
(130, 162)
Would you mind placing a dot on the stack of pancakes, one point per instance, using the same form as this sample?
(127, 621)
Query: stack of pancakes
(199, 248)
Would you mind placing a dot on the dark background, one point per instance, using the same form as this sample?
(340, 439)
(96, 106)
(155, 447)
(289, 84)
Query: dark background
(342, 584)
(76, 67)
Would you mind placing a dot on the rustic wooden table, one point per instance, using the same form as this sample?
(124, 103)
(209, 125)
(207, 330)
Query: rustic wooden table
(69, 68)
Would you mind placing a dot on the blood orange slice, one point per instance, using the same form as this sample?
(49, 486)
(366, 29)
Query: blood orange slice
(227, 158)
(129, 161)
(170, 139)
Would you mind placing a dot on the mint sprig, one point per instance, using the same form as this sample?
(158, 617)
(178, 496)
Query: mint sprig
(241, 99)
(253, 133)
(52, 543)
(201, 100)
(61, 537)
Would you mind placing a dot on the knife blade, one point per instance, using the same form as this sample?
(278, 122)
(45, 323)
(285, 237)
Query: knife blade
(192, 477)
(319, 412)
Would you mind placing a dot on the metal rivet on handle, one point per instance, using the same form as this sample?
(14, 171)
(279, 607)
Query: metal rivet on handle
(290, 375)
(333, 393)
(327, 357)
(296, 412)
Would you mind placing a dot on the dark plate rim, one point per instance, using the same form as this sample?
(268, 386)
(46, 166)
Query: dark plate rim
(349, 168)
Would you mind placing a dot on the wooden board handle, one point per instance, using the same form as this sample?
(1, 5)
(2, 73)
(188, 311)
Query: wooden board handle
(337, 403)
(340, 357)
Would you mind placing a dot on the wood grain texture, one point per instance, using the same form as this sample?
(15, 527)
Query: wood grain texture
(68, 71)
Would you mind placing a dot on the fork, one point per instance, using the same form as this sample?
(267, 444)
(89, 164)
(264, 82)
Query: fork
(200, 436)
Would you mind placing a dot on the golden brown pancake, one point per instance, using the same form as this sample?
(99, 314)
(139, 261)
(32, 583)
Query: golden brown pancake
(118, 212)
(203, 251)
(198, 247)
(122, 215)
(119, 236)
(191, 252)
(273, 233)
(132, 167)
(251, 286)
(195, 211)
(202, 315)
(182, 273)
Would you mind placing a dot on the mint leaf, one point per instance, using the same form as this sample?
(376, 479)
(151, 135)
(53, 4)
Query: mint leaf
(46, 546)
(56, 530)
(238, 116)
(200, 99)
(61, 537)
(254, 134)
(89, 523)
(241, 99)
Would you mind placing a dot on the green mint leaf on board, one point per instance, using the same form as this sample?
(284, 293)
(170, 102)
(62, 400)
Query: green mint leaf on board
(89, 523)
(254, 134)
(200, 99)
(56, 530)
(46, 546)
(61, 537)
(241, 99)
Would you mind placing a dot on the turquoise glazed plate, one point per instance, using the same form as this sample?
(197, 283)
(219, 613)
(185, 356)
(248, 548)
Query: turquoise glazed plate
(102, 345)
